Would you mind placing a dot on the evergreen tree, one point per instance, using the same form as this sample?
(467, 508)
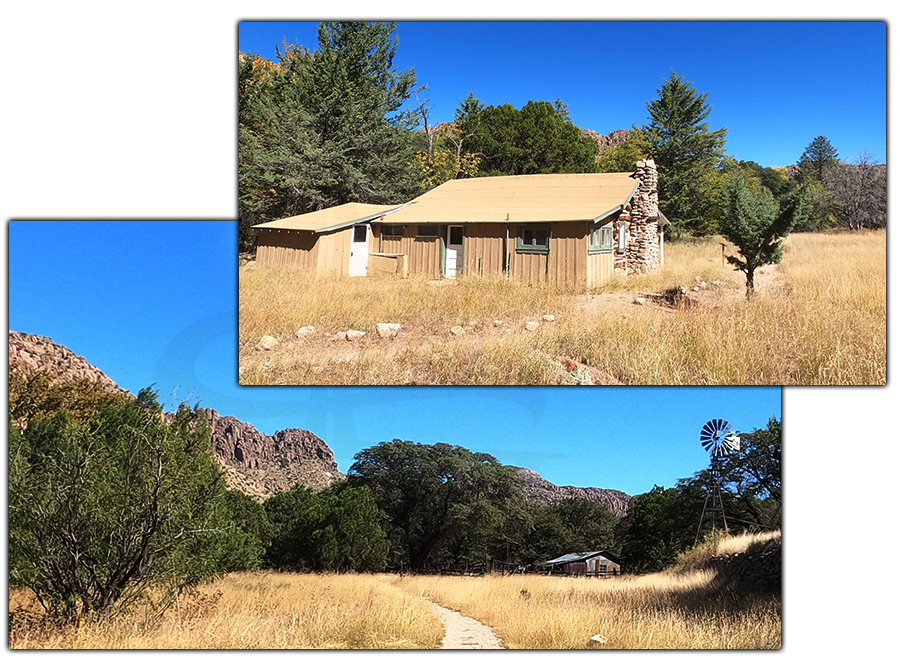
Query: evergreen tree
(756, 224)
(326, 127)
(686, 151)
(538, 139)
(818, 156)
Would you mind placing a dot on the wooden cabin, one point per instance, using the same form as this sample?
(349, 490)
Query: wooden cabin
(573, 230)
(334, 241)
(596, 563)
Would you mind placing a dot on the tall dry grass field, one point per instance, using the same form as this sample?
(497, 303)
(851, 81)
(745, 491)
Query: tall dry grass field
(260, 611)
(681, 609)
(819, 318)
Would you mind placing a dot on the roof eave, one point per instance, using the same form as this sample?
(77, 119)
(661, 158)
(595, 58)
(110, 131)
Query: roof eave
(358, 221)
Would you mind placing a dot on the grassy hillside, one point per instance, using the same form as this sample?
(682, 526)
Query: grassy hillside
(819, 318)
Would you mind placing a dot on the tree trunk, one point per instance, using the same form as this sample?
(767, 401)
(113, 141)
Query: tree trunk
(750, 288)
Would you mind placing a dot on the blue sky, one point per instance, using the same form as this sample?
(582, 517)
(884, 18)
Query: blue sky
(774, 85)
(155, 303)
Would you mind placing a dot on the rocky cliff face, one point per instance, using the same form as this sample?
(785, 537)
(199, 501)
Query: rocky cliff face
(258, 464)
(614, 139)
(263, 465)
(32, 353)
(539, 489)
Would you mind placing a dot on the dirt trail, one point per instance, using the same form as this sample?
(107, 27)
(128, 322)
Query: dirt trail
(462, 632)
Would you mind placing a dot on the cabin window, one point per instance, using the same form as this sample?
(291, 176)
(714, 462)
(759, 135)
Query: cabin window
(620, 245)
(392, 230)
(601, 239)
(533, 239)
(428, 231)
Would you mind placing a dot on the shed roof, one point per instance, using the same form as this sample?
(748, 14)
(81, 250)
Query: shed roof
(581, 556)
(521, 198)
(332, 218)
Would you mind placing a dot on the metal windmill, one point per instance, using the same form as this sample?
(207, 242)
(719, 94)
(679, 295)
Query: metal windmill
(718, 437)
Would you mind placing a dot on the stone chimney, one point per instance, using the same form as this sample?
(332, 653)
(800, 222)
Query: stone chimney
(641, 217)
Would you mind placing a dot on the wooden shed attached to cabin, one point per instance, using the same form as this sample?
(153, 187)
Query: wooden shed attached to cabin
(331, 241)
(596, 563)
(569, 229)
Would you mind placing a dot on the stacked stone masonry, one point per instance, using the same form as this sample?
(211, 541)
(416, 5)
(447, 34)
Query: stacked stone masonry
(642, 217)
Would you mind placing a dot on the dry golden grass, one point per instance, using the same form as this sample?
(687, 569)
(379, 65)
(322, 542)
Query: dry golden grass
(262, 611)
(820, 318)
(679, 609)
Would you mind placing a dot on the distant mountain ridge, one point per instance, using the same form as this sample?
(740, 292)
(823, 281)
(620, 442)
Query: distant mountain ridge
(539, 489)
(258, 464)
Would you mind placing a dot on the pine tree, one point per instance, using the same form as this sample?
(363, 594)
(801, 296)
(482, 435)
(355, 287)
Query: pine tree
(756, 224)
(685, 151)
(817, 157)
(326, 127)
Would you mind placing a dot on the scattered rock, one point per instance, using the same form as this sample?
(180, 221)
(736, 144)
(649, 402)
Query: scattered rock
(250, 265)
(640, 300)
(548, 317)
(305, 331)
(267, 343)
(532, 326)
(457, 330)
(338, 336)
(353, 335)
(497, 323)
(387, 330)
(599, 639)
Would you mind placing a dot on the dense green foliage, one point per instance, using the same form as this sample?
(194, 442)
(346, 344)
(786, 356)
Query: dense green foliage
(338, 529)
(36, 396)
(687, 154)
(101, 510)
(539, 138)
(436, 496)
(756, 224)
(326, 127)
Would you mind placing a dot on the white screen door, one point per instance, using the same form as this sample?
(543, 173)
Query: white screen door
(359, 250)
(454, 251)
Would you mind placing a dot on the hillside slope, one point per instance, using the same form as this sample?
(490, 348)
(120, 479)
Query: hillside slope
(253, 462)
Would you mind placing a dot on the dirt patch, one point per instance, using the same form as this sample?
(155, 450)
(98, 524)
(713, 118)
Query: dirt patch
(462, 632)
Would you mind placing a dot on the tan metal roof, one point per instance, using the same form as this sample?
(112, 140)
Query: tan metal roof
(523, 198)
(332, 218)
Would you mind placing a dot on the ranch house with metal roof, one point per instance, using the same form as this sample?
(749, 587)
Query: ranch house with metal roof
(570, 229)
(595, 563)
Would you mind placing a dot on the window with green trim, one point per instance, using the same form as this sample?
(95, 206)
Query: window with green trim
(601, 239)
(428, 231)
(533, 239)
(391, 230)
